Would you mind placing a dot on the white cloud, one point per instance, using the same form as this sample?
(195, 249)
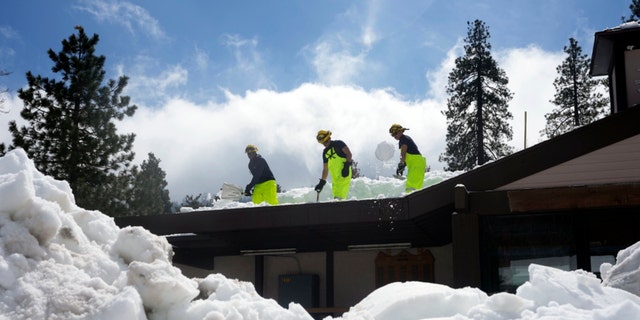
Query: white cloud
(531, 73)
(155, 87)
(334, 62)
(5, 51)
(244, 51)
(124, 13)
(8, 32)
(249, 68)
(201, 58)
(341, 55)
(11, 107)
(368, 37)
(369, 34)
(352, 50)
(439, 78)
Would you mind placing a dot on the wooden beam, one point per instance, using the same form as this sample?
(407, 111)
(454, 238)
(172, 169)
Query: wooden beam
(572, 198)
(329, 285)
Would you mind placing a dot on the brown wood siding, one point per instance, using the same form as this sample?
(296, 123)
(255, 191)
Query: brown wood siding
(616, 163)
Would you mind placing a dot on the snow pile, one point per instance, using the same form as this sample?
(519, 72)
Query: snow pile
(59, 261)
(549, 294)
(415, 300)
(626, 273)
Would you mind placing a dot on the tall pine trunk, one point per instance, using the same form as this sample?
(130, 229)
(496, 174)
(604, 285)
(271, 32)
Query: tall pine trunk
(480, 123)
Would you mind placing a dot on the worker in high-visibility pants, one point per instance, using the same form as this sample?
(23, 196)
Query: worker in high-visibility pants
(410, 158)
(263, 183)
(336, 159)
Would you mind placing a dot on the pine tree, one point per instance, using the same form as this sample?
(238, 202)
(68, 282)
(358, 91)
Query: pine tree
(577, 101)
(3, 91)
(194, 202)
(71, 133)
(355, 171)
(477, 108)
(150, 195)
(635, 11)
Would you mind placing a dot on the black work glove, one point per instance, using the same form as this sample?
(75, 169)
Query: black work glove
(400, 169)
(345, 169)
(320, 185)
(247, 190)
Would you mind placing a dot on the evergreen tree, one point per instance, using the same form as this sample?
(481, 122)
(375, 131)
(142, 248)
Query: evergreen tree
(577, 101)
(70, 133)
(355, 171)
(150, 195)
(3, 91)
(635, 11)
(477, 108)
(2, 108)
(193, 202)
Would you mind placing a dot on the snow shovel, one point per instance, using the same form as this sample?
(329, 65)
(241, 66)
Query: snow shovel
(231, 192)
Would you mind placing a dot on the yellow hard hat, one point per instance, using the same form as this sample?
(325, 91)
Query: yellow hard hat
(395, 128)
(250, 148)
(323, 136)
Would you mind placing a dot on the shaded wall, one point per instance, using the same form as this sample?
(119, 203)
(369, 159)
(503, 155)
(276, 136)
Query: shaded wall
(354, 271)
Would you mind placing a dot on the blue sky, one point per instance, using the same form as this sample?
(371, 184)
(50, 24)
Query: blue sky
(210, 77)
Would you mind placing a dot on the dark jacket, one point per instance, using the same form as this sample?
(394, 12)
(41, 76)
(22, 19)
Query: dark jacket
(260, 171)
(412, 148)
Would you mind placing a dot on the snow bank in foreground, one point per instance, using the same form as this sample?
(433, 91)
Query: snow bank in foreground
(59, 261)
(549, 294)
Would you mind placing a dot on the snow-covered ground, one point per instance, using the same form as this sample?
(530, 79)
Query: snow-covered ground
(59, 261)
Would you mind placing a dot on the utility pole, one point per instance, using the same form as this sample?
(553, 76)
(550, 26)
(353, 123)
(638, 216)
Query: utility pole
(525, 129)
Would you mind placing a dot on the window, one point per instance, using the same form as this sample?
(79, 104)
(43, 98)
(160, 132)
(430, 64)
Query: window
(404, 266)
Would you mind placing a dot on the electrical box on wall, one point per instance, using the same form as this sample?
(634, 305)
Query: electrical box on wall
(299, 288)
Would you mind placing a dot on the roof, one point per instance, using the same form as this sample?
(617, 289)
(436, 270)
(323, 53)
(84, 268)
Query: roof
(603, 46)
(421, 219)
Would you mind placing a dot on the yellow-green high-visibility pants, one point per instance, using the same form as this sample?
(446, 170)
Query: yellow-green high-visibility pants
(339, 184)
(416, 167)
(265, 191)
